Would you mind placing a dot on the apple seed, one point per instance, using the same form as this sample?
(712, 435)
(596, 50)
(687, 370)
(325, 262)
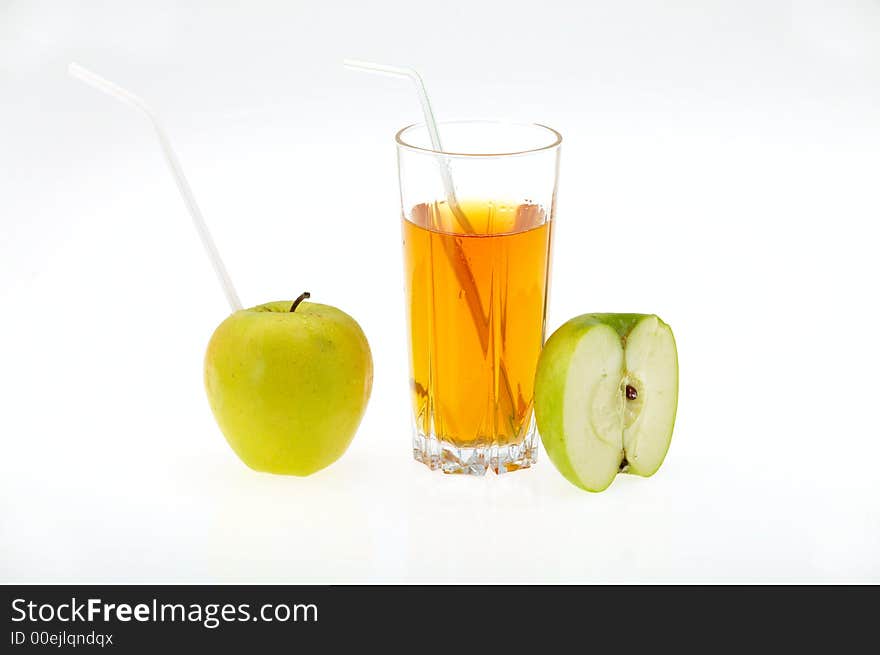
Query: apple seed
(631, 393)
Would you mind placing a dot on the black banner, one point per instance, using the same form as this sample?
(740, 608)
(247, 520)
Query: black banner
(135, 619)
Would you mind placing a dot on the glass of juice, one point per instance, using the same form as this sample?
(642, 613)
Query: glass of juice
(477, 225)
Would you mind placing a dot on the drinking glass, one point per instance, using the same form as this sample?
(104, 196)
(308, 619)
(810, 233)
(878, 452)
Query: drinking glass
(477, 230)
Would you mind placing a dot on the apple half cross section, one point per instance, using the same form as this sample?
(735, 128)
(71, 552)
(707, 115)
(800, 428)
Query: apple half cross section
(606, 393)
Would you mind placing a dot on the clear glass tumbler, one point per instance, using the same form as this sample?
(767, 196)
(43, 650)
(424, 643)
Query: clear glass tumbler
(477, 227)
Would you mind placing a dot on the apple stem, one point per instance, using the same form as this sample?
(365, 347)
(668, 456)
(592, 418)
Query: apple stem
(302, 296)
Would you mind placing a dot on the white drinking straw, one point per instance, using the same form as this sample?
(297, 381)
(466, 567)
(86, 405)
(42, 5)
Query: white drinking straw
(463, 272)
(127, 97)
(401, 71)
(430, 124)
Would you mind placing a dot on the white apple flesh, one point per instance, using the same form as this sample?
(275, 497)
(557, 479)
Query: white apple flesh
(606, 394)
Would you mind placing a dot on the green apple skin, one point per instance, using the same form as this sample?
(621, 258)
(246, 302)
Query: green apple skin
(550, 379)
(553, 397)
(612, 427)
(288, 389)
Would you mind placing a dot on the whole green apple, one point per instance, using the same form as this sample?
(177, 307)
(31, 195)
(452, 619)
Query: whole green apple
(288, 383)
(606, 394)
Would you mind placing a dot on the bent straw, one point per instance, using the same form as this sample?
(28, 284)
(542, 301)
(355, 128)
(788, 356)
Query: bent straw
(430, 124)
(453, 250)
(98, 82)
(412, 74)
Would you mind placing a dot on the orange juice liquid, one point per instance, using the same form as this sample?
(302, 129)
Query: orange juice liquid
(475, 303)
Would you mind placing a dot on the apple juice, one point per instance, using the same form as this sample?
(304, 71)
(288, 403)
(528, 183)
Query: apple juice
(476, 301)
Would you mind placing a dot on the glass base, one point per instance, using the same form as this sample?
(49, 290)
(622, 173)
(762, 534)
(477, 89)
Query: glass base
(449, 458)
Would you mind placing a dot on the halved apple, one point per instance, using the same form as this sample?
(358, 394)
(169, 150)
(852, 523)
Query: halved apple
(606, 393)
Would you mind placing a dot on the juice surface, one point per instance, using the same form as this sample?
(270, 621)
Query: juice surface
(475, 304)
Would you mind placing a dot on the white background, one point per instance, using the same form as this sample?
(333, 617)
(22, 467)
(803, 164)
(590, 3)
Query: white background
(720, 168)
